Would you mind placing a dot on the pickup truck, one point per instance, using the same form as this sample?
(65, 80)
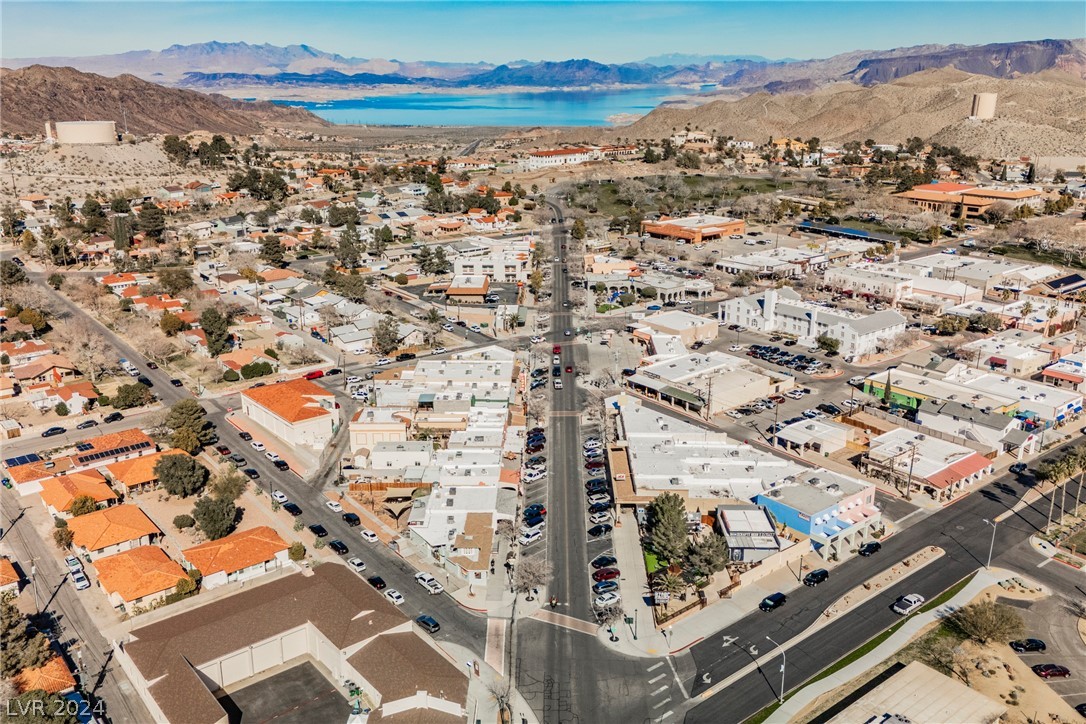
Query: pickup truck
(129, 368)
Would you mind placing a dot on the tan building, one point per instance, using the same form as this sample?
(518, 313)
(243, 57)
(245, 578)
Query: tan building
(372, 425)
(965, 201)
(690, 328)
(470, 289)
(695, 229)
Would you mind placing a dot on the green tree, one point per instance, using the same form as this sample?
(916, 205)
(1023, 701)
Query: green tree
(688, 159)
(20, 647)
(188, 414)
(828, 343)
(9, 217)
(667, 526)
(296, 552)
(989, 321)
(708, 555)
(133, 395)
(185, 439)
(271, 250)
(256, 369)
(651, 155)
(386, 335)
(535, 282)
(63, 537)
(94, 218)
(151, 221)
(175, 280)
(34, 318)
(229, 484)
(216, 328)
(181, 474)
(56, 280)
(171, 324)
(177, 150)
(120, 205)
(11, 274)
(401, 279)
(215, 516)
(183, 521)
(348, 252)
(82, 504)
(951, 324)
(647, 292)
(579, 230)
(439, 263)
(381, 239)
(230, 376)
(743, 279)
(61, 409)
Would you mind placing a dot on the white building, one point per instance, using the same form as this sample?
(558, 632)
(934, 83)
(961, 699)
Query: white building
(558, 157)
(298, 412)
(785, 312)
(936, 467)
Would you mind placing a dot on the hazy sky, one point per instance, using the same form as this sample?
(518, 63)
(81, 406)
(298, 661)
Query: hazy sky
(461, 30)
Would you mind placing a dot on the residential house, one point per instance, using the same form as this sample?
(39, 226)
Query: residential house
(239, 556)
(241, 357)
(57, 494)
(78, 397)
(299, 412)
(34, 203)
(24, 351)
(52, 677)
(138, 474)
(170, 193)
(51, 369)
(138, 577)
(987, 432)
(10, 580)
(112, 530)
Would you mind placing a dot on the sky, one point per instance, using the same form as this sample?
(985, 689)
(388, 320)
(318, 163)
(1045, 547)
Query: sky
(613, 31)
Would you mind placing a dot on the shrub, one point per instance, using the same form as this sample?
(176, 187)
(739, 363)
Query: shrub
(183, 521)
(61, 409)
(271, 353)
(256, 369)
(231, 376)
(401, 279)
(296, 551)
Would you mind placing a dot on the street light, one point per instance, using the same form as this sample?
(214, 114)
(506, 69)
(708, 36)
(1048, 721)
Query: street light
(784, 661)
(991, 545)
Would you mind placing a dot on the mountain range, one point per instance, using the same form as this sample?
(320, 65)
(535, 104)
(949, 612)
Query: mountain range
(232, 67)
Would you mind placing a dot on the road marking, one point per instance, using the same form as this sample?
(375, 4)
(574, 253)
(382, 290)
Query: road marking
(660, 676)
(662, 703)
(559, 619)
(495, 644)
(658, 691)
(1044, 563)
(665, 716)
(655, 666)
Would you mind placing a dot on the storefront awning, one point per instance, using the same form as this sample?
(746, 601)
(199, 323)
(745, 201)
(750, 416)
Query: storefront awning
(997, 361)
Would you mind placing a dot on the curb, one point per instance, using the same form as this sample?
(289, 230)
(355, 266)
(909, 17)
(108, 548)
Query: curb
(698, 640)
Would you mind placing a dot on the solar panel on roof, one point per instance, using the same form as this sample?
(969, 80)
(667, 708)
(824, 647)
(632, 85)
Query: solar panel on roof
(22, 460)
(83, 446)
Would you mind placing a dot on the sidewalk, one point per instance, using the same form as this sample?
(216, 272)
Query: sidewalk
(806, 695)
(482, 706)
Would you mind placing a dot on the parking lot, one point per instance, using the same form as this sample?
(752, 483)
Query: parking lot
(297, 695)
(1055, 621)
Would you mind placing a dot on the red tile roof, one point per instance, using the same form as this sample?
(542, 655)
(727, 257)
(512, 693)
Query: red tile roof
(139, 572)
(235, 552)
(293, 401)
(110, 526)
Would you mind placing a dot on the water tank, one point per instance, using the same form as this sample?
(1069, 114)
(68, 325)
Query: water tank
(86, 132)
(984, 105)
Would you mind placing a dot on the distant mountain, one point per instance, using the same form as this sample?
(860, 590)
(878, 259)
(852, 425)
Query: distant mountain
(568, 73)
(322, 78)
(691, 59)
(38, 93)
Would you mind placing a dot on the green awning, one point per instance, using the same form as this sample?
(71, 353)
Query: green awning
(677, 394)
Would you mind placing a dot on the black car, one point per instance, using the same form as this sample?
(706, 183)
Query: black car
(86, 423)
(531, 521)
(535, 509)
(245, 436)
(629, 372)
(829, 409)
(333, 371)
(17, 261)
(815, 577)
(537, 384)
(598, 508)
(176, 383)
(596, 481)
(772, 601)
(404, 356)
(54, 431)
(870, 549)
(152, 366)
(292, 508)
(1028, 645)
(536, 460)
(603, 562)
(539, 372)
(351, 519)
(598, 531)
(281, 465)
(535, 430)
(377, 582)
(428, 624)
(318, 530)
(1018, 468)
(252, 473)
(144, 381)
(113, 417)
(338, 546)
(556, 371)
(536, 440)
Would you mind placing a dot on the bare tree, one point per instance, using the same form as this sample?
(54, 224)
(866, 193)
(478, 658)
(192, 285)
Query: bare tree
(945, 654)
(502, 691)
(986, 621)
(156, 346)
(88, 349)
(609, 617)
(507, 530)
(531, 573)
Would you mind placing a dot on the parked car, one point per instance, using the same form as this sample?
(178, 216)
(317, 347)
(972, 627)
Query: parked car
(352, 520)
(245, 436)
(338, 546)
(606, 574)
(73, 563)
(526, 539)
(314, 375)
(369, 536)
(606, 599)
(356, 565)
(393, 595)
(599, 517)
(1051, 671)
(377, 582)
(604, 587)
(86, 423)
(113, 417)
(870, 549)
(79, 579)
(278, 496)
(54, 431)
(598, 531)
(334, 506)
(428, 624)
(318, 530)
(1018, 468)
(257, 445)
(908, 603)
(535, 509)
(428, 582)
(292, 508)
(819, 575)
(772, 601)
(603, 562)
(1026, 646)
(281, 465)
(251, 473)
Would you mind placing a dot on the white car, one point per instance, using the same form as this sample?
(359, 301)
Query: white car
(525, 530)
(354, 380)
(556, 360)
(592, 445)
(360, 395)
(447, 327)
(735, 348)
(429, 583)
(334, 506)
(857, 380)
(810, 414)
(907, 604)
(74, 566)
(393, 595)
(383, 361)
(527, 540)
(606, 599)
(558, 384)
(794, 394)
(278, 496)
(848, 404)
(599, 518)
(439, 350)
(599, 498)
(476, 328)
(356, 565)
(536, 339)
(271, 456)
(257, 445)
(80, 580)
(734, 415)
(369, 536)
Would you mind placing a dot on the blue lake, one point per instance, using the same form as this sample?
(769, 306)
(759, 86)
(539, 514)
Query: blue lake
(547, 108)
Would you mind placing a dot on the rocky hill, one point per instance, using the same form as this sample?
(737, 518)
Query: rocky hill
(35, 94)
(1043, 114)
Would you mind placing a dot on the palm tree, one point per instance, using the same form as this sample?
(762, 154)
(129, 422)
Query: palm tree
(1051, 314)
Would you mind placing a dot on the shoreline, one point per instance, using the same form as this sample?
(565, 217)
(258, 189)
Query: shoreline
(331, 93)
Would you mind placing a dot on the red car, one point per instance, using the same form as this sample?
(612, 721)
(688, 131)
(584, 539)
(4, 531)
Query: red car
(605, 574)
(1051, 671)
(569, 369)
(314, 375)
(594, 465)
(557, 349)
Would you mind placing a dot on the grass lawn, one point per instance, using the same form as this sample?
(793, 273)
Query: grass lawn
(651, 564)
(1040, 256)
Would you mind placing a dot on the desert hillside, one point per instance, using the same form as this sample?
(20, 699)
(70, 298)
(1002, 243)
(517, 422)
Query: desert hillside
(1043, 114)
(35, 94)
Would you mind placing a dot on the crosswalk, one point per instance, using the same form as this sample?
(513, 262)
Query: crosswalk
(659, 688)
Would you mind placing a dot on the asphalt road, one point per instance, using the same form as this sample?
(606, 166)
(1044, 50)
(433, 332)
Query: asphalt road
(959, 529)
